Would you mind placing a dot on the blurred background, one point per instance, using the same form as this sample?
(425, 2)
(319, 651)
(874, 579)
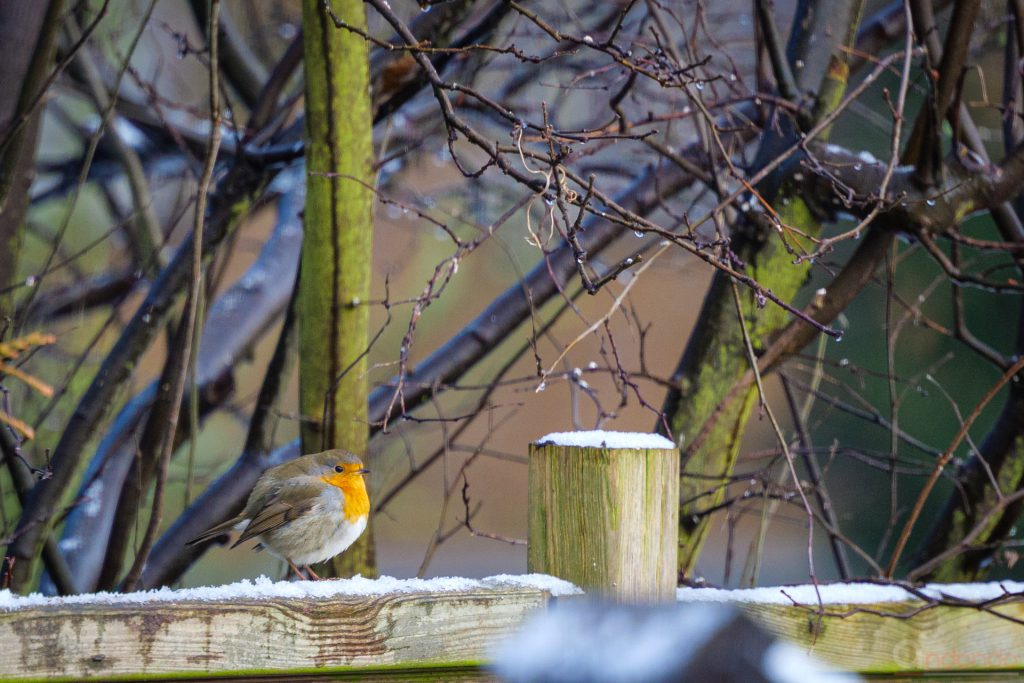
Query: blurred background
(847, 388)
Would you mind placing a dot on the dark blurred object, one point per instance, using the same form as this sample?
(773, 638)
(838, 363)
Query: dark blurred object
(698, 643)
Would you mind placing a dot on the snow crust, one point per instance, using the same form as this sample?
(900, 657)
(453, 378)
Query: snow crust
(603, 439)
(263, 588)
(849, 593)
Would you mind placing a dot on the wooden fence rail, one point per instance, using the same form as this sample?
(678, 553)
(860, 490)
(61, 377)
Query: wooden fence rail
(938, 640)
(447, 634)
(253, 637)
(447, 629)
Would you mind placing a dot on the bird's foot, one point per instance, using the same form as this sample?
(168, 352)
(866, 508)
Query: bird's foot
(298, 571)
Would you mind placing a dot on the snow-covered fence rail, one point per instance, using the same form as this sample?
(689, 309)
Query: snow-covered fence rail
(264, 628)
(391, 629)
(885, 629)
(358, 628)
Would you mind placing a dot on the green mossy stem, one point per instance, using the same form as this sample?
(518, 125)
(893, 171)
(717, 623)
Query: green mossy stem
(720, 362)
(337, 248)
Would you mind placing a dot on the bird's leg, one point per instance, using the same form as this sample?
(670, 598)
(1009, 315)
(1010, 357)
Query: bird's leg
(313, 573)
(298, 572)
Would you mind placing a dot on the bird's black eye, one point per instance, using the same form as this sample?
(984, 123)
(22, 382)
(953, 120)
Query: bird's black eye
(339, 469)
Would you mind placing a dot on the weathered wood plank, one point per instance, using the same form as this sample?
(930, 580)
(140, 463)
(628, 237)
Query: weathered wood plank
(437, 636)
(253, 636)
(606, 519)
(939, 639)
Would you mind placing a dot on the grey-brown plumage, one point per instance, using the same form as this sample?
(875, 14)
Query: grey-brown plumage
(304, 511)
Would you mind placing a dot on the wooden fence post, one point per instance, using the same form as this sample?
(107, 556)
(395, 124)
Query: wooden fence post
(604, 513)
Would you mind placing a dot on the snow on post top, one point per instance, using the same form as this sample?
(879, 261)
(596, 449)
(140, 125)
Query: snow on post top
(602, 439)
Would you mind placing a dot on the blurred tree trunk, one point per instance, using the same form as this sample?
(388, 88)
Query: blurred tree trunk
(715, 359)
(701, 408)
(29, 32)
(334, 282)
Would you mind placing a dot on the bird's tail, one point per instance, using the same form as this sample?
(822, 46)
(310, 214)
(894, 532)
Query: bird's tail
(215, 531)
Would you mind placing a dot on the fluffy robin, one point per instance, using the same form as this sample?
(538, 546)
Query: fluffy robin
(304, 511)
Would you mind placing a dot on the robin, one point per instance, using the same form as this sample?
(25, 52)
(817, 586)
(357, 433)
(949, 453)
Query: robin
(304, 511)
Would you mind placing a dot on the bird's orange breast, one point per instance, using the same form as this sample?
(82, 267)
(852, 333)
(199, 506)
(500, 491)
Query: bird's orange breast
(357, 501)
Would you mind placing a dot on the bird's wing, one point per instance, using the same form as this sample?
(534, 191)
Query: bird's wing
(275, 513)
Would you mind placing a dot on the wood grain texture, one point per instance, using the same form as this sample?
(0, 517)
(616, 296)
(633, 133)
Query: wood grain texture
(605, 519)
(940, 639)
(161, 639)
(420, 636)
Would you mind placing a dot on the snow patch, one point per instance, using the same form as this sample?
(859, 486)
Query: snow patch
(552, 584)
(129, 133)
(850, 593)
(603, 439)
(867, 157)
(70, 544)
(263, 588)
(582, 642)
(93, 498)
(595, 643)
(786, 663)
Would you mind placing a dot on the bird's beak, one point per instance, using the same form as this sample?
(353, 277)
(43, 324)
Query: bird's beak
(363, 471)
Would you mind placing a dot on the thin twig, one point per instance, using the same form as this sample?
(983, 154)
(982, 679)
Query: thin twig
(790, 462)
(944, 460)
(820, 492)
(192, 306)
